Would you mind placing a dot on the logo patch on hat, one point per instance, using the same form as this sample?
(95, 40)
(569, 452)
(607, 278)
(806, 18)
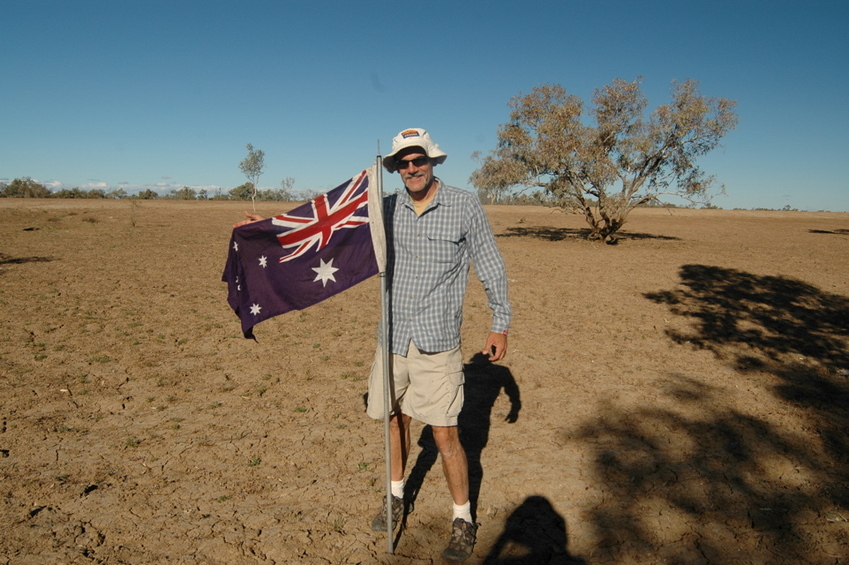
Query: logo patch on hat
(409, 133)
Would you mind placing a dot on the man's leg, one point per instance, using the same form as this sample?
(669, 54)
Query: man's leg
(399, 445)
(456, 469)
(399, 452)
(454, 463)
(399, 433)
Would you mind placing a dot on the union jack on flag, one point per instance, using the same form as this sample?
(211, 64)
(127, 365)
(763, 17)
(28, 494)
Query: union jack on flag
(294, 260)
(324, 217)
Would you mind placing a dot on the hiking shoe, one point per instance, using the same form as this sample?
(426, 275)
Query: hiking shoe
(379, 522)
(462, 540)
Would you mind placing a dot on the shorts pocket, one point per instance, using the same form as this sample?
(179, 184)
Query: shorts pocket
(455, 374)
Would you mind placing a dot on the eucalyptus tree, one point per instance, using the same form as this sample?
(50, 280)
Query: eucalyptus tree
(606, 161)
(252, 167)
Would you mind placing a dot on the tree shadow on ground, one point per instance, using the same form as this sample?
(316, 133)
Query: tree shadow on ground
(760, 320)
(534, 534)
(484, 383)
(693, 478)
(831, 232)
(560, 234)
(9, 260)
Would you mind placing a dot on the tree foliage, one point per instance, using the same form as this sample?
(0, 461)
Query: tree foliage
(607, 169)
(147, 194)
(27, 188)
(185, 193)
(77, 192)
(246, 192)
(243, 192)
(252, 166)
(24, 188)
(286, 192)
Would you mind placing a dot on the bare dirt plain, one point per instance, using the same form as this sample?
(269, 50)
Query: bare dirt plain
(679, 398)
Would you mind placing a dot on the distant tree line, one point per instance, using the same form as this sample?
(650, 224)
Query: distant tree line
(27, 188)
(544, 198)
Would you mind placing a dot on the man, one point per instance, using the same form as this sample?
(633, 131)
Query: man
(433, 231)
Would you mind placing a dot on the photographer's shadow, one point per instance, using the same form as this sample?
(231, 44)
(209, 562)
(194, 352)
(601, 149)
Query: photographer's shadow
(484, 383)
(533, 534)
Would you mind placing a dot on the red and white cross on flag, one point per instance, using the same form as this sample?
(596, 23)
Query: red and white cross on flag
(317, 227)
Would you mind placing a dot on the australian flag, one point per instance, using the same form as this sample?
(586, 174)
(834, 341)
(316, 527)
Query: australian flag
(298, 259)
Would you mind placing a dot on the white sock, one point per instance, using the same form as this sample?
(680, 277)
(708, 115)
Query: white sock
(463, 511)
(398, 488)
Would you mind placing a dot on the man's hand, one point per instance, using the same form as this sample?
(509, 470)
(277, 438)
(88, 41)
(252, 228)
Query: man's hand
(251, 219)
(496, 346)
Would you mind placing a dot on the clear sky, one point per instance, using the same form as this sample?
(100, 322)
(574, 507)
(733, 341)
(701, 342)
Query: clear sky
(165, 94)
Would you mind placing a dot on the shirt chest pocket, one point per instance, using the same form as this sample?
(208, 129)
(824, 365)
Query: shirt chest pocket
(443, 247)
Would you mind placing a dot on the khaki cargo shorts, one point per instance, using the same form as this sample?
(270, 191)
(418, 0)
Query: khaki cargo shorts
(426, 386)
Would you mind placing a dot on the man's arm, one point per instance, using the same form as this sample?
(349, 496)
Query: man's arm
(490, 269)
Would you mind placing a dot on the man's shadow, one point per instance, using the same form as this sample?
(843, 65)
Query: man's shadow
(484, 383)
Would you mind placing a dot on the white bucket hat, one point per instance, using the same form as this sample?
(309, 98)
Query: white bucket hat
(413, 137)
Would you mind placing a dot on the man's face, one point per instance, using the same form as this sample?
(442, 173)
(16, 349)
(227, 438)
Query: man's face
(416, 171)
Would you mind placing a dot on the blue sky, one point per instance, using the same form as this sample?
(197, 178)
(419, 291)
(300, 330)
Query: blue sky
(166, 94)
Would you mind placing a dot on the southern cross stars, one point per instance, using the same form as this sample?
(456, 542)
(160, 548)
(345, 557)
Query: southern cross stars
(325, 272)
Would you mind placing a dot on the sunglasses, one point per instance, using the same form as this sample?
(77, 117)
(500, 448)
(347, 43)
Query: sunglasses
(402, 164)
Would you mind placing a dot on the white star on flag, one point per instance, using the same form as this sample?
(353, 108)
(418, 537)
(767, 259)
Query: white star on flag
(255, 309)
(325, 272)
(263, 261)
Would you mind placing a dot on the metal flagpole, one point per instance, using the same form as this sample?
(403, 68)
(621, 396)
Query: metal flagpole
(387, 393)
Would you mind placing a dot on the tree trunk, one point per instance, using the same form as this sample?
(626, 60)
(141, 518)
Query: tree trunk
(602, 226)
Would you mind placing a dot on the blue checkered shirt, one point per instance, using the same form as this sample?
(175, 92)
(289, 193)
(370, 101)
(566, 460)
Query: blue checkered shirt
(428, 268)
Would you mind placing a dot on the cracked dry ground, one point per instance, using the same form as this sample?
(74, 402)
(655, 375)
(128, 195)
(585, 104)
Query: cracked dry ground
(682, 397)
